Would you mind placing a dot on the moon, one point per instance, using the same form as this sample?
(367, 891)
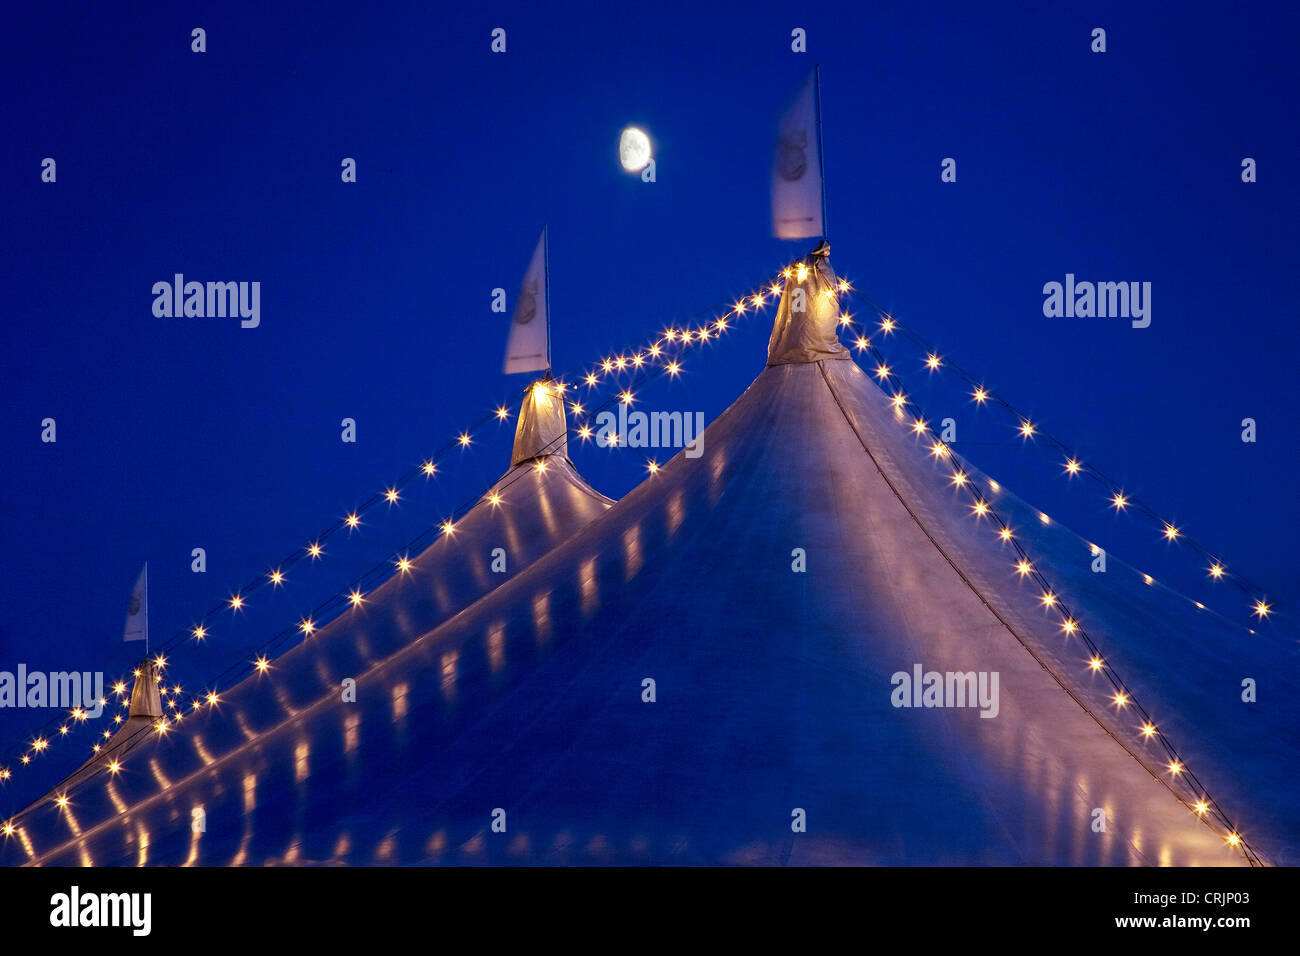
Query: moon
(633, 149)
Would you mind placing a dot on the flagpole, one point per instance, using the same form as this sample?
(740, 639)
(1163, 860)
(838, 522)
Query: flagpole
(821, 153)
(546, 258)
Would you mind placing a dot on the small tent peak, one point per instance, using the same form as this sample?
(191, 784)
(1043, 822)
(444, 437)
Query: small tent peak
(145, 700)
(542, 429)
(809, 314)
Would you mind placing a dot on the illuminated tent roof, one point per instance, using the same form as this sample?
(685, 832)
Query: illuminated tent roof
(771, 589)
(533, 507)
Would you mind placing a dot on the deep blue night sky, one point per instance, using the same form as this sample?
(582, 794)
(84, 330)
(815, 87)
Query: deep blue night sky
(175, 433)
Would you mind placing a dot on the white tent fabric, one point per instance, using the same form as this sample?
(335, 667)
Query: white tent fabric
(539, 507)
(541, 428)
(704, 675)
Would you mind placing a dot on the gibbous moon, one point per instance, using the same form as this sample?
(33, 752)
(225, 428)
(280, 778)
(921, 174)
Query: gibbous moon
(633, 149)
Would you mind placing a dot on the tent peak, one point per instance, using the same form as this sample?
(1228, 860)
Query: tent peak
(145, 700)
(542, 429)
(809, 314)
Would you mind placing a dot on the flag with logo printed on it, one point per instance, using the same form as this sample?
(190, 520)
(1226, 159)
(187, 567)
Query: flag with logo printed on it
(797, 171)
(137, 609)
(529, 346)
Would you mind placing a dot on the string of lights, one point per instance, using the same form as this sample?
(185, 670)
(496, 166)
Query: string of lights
(1120, 499)
(625, 370)
(1194, 795)
(661, 356)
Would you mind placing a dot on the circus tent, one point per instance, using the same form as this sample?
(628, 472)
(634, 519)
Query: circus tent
(719, 669)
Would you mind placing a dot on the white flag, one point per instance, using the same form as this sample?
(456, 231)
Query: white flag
(797, 172)
(527, 350)
(137, 612)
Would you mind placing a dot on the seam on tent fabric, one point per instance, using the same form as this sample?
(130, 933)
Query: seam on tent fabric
(974, 590)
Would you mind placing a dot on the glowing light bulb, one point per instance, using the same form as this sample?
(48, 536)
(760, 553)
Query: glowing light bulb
(1027, 429)
(653, 467)
(887, 325)
(62, 800)
(844, 285)
(1148, 730)
(200, 632)
(1175, 767)
(393, 495)
(1049, 599)
(1072, 466)
(502, 413)
(352, 520)
(673, 368)
(625, 397)
(980, 396)
(1171, 532)
(862, 344)
(262, 665)
(1119, 501)
(1120, 699)
(314, 550)
(959, 478)
(212, 697)
(939, 450)
(933, 361)
(1005, 534)
(638, 360)
(584, 432)
(776, 289)
(882, 370)
(1232, 839)
(449, 527)
(404, 565)
(236, 602)
(1095, 663)
(801, 272)
(464, 439)
(119, 688)
(306, 626)
(919, 426)
(656, 351)
(720, 325)
(494, 499)
(277, 577)
(899, 400)
(1216, 571)
(591, 378)
(980, 509)
(1024, 567)
(1148, 579)
(63, 731)
(541, 466)
(1201, 807)
(1262, 610)
(1070, 626)
(620, 363)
